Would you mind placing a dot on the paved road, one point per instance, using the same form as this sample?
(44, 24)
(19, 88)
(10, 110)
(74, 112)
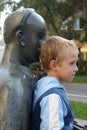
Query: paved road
(77, 91)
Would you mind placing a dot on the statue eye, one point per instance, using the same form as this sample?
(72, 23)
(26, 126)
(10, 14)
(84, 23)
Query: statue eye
(41, 35)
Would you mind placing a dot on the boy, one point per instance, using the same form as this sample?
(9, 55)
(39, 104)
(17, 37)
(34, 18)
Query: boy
(51, 107)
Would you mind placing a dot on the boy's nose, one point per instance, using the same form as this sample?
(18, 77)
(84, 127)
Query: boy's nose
(76, 68)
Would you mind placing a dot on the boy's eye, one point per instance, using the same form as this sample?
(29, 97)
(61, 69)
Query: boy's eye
(72, 63)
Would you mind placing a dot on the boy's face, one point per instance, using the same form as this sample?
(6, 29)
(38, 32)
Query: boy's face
(67, 68)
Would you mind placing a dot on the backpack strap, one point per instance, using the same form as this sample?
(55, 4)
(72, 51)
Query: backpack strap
(36, 113)
(56, 90)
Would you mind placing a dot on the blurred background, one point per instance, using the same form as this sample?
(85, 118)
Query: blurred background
(66, 18)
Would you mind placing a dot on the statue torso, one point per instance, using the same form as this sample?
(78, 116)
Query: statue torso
(16, 85)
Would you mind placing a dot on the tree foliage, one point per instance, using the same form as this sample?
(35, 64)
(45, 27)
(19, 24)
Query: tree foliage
(4, 4)
(54, 13)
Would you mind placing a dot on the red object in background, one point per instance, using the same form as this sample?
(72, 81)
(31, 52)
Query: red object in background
(35, 73)
(85, 127)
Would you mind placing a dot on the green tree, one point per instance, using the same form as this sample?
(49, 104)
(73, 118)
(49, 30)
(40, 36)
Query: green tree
(54, 13)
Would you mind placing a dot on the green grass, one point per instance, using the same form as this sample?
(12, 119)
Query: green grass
(80, 79)
(80, 109)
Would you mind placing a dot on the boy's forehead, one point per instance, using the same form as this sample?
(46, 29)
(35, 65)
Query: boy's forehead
(72, 51)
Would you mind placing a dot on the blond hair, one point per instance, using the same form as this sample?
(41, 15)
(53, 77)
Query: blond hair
(56, 48)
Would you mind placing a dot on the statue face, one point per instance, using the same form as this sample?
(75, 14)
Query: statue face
(35, 34)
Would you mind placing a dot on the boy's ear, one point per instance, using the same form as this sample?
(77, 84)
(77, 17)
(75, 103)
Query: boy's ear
(53, 65)
(20, 37)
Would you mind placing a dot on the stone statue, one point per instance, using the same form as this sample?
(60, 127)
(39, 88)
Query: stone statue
(24, 31)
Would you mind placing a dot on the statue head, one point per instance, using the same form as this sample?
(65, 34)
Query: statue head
(26, 29)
